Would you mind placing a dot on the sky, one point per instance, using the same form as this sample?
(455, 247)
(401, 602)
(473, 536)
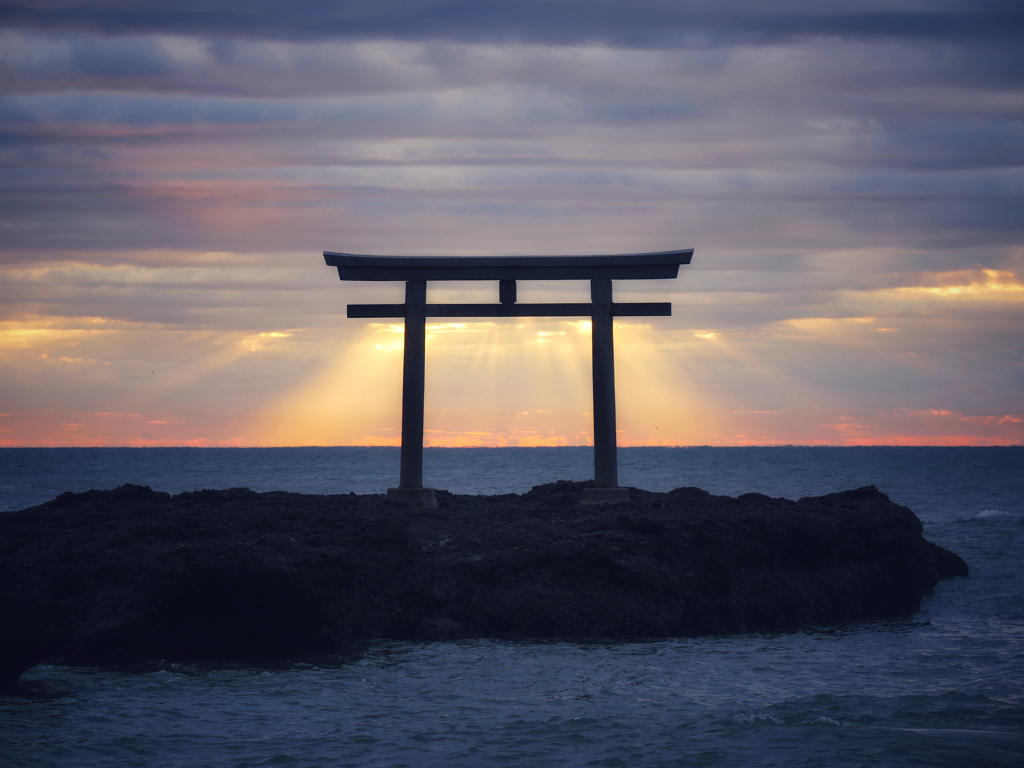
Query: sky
(850, 176)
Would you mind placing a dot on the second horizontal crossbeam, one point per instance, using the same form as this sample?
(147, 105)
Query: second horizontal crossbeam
(586, 309)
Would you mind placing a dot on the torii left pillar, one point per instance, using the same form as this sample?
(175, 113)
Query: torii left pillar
(606, 465)
(410, 481)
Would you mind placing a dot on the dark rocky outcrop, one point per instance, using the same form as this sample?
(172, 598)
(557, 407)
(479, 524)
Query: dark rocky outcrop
(137, 574)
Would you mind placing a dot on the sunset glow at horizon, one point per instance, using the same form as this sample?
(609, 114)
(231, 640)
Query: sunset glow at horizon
(852, 186)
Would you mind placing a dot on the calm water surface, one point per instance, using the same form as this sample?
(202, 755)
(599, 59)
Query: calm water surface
(944, 688)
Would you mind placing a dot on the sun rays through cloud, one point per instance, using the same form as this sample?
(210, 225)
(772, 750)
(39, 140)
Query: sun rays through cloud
(851, 182)
(498, 383)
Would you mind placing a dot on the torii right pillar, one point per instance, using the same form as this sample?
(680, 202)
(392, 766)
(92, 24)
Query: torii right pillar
(606, 467)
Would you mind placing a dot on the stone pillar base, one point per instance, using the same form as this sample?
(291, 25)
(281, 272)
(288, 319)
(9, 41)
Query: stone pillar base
(605, 495)
(423, 497)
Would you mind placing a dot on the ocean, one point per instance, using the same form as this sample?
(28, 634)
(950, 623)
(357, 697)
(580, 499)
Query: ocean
(944, 687)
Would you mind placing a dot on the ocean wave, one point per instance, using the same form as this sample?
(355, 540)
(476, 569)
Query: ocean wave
(987, 514)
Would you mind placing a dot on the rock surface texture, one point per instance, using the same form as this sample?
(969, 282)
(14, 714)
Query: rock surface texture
(133, 574)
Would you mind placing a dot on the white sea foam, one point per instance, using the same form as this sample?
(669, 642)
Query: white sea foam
(824, 720)
(746, 718)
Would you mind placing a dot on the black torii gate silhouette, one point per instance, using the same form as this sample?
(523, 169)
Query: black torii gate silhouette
(416, 271)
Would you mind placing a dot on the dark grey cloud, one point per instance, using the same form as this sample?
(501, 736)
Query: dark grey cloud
(852, 77)
(507, 211)
(638, 23)
(153, 139)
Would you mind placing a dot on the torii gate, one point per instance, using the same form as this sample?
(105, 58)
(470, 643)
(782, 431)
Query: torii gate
(416, 271)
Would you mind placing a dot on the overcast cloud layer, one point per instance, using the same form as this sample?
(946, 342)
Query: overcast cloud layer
(639, 23)
(849, 175)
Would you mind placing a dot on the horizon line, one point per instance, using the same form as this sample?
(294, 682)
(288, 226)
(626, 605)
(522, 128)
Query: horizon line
(505, 447)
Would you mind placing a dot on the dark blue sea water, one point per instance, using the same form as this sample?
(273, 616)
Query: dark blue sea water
(943, 688)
